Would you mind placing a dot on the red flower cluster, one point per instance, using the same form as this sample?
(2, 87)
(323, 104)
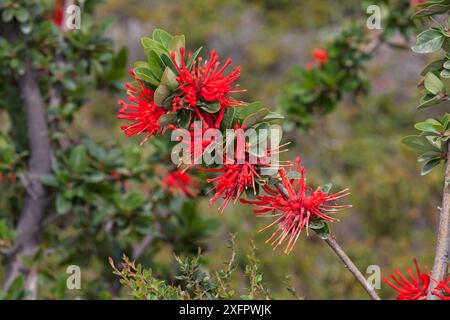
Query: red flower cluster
(416, 287)
(296, 209)
(180, 183)
(320, 55)
(143, 113)
(205, 81)
(239, 173)
(444, 287)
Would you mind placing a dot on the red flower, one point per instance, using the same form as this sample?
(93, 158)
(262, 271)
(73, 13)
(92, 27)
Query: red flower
(144, 114)
(180, 183)
(240, 172)
(320, 55)
(206, 82)
(196, 145)
(442, 290)
(295, 213)
(414, 289)
(58, 15)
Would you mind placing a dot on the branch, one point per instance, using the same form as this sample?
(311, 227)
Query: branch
(28, 227)
(440, 266)
(331, 241)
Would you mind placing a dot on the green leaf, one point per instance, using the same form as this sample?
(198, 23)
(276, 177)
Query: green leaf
(433, 84)
(7, 15)
(447, 65)
(62, 204)
(228, 118)
(50, 180)
(22, 14)
(150, 44)
(430, 125)
(426, 101)
(248, 109)
(429, 166)
(166, 119)
(146, 75)
(161, 93)
(326, 188)
(316, 224)
(255, 118)
(273, 116)
(155, 64)
(193, 57)
(433, 66)
(78, 160)
(175, 45)
(419, 143)
(324, 232)
(169, 79)
(162, 36)
(429, 41)
(212, 107)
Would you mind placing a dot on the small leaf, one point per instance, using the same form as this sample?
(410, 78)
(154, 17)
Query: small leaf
(50, 180)
(426, 101)
(155, 64)
(62, 204)
(166, 119)
(419, 143)
(317, 224)
(78, 160)
(433, 83)
(324, 232)
(429, 166)
(429, 41)
(192, 58)
(146, 75)
(169, 79)
(161, 93)
(254, 118)
(213, 107)
(162, 36)
(326, 188)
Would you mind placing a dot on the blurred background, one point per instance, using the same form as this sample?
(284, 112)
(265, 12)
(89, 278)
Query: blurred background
(358, 145)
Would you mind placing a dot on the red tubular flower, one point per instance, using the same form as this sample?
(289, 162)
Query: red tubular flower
(295, 213)
(236, 178)
(241, 172)
(442, 290)
(143, 113)
(320, 55)
(414, 289)
(205, 81)
(180, 183)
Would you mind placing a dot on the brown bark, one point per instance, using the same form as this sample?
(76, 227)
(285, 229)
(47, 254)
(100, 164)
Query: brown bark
(440, 266)
(28, 227)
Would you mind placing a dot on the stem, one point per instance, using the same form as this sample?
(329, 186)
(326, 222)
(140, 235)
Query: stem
(348, 263)
(440, 266)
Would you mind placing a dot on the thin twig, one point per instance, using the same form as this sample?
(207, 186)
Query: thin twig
(331, 241)
(440, 266)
